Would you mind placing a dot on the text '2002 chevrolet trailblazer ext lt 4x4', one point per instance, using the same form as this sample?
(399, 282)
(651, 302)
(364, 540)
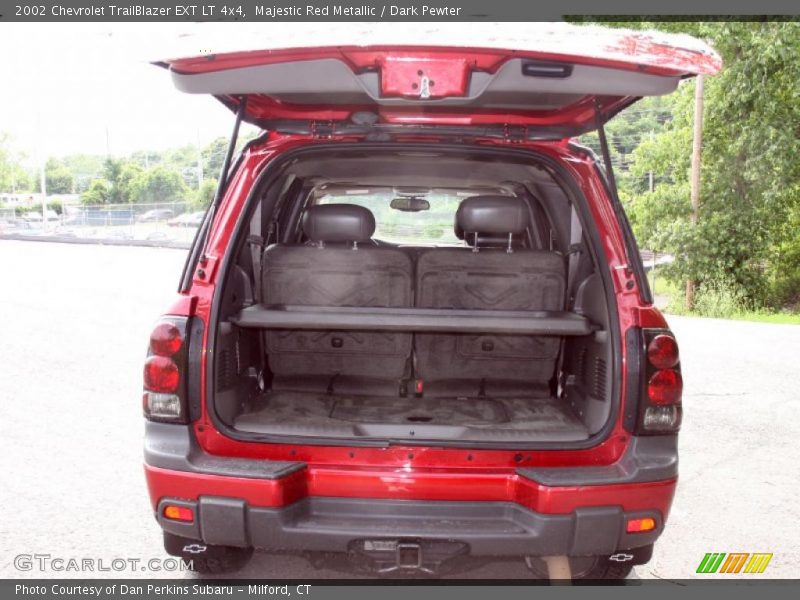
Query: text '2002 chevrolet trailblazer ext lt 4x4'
(414, 330)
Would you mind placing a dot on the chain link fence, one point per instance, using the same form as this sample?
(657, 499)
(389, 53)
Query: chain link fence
(163, 224)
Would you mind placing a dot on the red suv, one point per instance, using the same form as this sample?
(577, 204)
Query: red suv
(414, 329)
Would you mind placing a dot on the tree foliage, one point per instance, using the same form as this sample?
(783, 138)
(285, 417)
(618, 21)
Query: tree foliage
(747, 238)
(158, 184)
(203, 196)
(58, 179)
(214, 155)
(96, 193)
(13, 176)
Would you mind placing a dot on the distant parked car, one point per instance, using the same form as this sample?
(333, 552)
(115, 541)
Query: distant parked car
(66, 232)
(157, 236)
(187, 220)
(15, 226)
(36, 216)
(158, 214)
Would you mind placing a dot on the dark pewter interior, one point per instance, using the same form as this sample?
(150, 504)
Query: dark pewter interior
(346, 326)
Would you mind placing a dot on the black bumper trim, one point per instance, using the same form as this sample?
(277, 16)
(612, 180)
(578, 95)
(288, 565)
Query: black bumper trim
(647, 459)
(169, 446)
(333, 524)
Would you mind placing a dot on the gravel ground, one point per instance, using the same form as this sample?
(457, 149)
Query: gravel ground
(74, 321)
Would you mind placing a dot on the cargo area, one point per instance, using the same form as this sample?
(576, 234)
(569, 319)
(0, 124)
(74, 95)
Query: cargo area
(414, 295)
(475, 419)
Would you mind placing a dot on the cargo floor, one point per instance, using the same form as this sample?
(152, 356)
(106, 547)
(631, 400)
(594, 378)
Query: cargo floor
(510, 419)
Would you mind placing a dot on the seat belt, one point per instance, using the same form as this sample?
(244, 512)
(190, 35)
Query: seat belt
(573, 258)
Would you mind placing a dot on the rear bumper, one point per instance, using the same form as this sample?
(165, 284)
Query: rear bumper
(294, 507)
(339, 524)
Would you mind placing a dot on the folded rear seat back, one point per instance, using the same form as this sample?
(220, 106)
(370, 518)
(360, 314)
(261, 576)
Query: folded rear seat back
(492, 279)
(340, 267)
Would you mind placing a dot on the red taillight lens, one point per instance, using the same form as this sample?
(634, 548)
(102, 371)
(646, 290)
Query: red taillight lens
(665, 387)
(165, 340)
(662, 352)
(161, 374)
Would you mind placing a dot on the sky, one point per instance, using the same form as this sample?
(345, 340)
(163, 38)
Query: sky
(69, 88)
(90, 88)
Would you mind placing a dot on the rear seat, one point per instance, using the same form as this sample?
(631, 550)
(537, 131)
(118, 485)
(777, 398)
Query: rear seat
(341, 266)
(495, 274)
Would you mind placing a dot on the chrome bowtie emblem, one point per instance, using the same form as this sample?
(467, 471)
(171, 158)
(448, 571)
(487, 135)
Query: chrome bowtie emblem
(621, 557)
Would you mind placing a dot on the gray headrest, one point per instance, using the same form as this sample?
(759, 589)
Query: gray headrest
(491, 216)
(338, 223)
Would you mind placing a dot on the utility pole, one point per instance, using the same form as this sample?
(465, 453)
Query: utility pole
(694, 194)
(43, 184)
(199, 162)
(651, 181)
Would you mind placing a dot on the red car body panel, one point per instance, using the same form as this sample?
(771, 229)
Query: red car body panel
(410, 484)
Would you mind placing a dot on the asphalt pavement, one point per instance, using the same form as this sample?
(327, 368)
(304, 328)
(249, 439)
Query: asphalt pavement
(74, 322)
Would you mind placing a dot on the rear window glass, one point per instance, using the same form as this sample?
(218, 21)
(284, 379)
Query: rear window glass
(426, 227)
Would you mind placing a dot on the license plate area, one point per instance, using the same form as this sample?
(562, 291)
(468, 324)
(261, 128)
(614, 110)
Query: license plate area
(409, 555)
(406, 555)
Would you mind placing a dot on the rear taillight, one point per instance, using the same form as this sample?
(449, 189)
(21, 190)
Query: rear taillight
(166, 339)
(665, 387)
(161, 374)
(165, 372)
(660, 408)
(662, 351)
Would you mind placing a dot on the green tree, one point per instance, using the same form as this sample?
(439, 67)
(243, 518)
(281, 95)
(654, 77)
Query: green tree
(58, 178)
(203, 196)
(124, 185)
(157, 185)
(112, 170)
(13, 176)
(97, 193)
(120, 175)
(214, 155)
(746, 240)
